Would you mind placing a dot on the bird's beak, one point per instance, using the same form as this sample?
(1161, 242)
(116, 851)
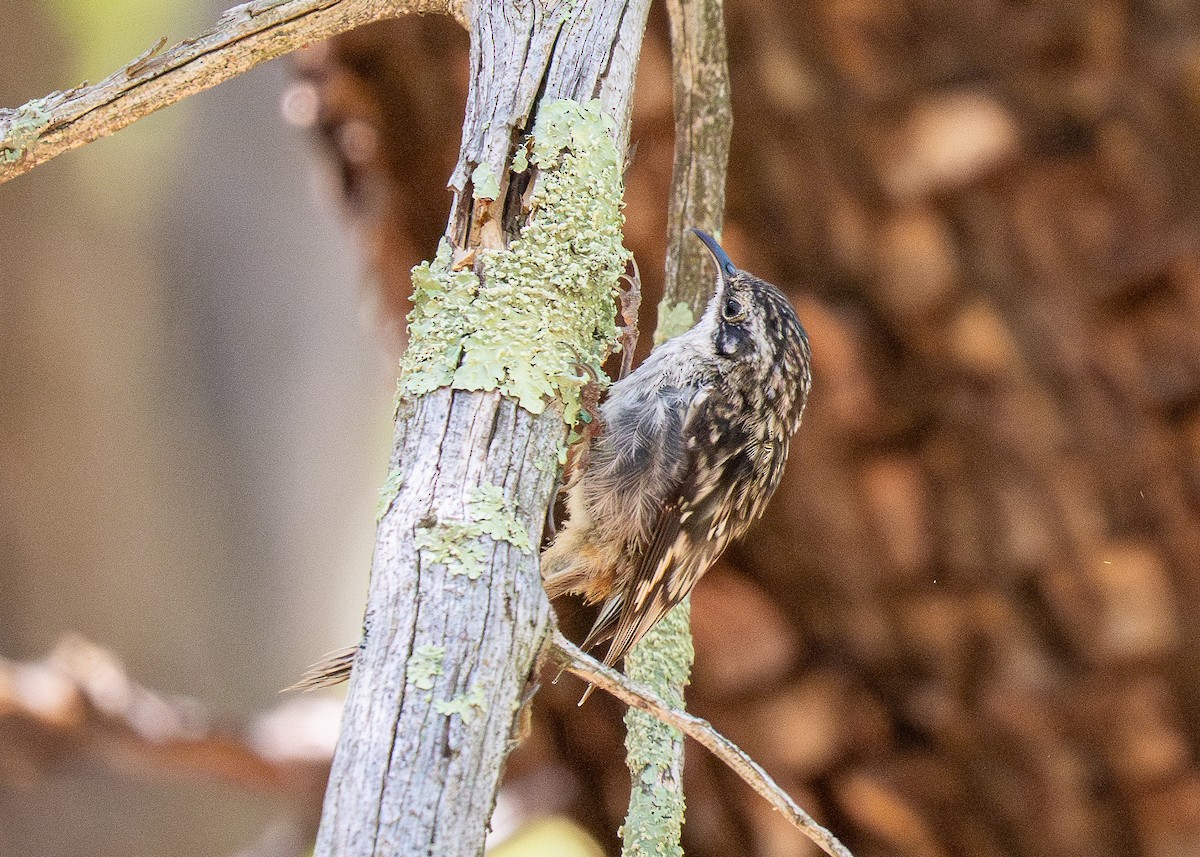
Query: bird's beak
(725, 267)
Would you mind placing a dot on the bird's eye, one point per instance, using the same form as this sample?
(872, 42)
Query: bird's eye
(733, 311)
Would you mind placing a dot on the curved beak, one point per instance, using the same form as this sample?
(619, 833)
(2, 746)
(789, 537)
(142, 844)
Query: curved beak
(724, 266)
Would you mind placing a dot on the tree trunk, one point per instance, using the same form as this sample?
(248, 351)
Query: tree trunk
(453, 627)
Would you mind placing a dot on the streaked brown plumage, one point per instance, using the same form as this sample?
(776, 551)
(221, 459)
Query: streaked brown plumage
(693, 446)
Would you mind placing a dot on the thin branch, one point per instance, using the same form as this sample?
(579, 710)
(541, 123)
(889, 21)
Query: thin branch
(243, 37)
(703, 126)
(592, 671)
(80, 699)
(663, 660)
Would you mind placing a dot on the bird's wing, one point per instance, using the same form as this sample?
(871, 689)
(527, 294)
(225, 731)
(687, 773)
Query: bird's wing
(654, 589)
(689, 534)
(613, 619)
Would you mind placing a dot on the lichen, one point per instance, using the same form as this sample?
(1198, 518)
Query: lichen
(388, 493)
(453, 544)
(543, 309)
(661, 660)
(424, 665)
(456, 545)
(672, 321)
(497, 517)
(520, 161)
(465, 705)
(31, 118)
(485, 182)
(440, 318)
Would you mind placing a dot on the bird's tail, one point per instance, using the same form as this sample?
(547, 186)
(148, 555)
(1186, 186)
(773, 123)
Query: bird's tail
(602, 630)
(332, 669)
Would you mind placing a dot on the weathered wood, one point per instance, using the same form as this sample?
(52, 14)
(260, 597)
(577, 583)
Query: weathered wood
(408, 779)
(245, 36)
(703, 127)
(446, 658)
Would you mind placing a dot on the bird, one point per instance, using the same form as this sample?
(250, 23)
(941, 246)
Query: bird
(691, 446)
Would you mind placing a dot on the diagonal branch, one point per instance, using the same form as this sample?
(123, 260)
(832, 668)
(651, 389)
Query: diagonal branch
(636, 696)
(243, 37)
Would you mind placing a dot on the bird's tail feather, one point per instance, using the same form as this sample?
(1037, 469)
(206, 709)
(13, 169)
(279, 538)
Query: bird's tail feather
(602, 629)
(332, 669)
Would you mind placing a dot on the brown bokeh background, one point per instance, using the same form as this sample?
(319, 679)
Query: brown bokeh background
(967, 624)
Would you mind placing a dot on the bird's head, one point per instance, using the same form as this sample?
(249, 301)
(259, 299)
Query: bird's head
(751, 321)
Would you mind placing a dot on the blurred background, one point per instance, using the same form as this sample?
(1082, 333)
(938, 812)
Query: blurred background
(967, 624)
(196, 407)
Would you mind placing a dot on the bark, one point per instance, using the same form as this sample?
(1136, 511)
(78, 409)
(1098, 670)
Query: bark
(406, 778)
(244, 36)
(446, 660)
(703, 127)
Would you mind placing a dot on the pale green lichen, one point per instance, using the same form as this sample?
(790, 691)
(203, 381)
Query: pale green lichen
(424, 665)
(662, 660)
(457, 545)
(31, 118)
(454, 545)
(388, 493)
(485, 182)
(566, 10)
(466, 705)
(520, 161)
(497, 517)
(544, 309)
(672, 321)
(439, 320)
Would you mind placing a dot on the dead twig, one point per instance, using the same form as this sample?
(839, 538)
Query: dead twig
(607, 679)
(243, 37)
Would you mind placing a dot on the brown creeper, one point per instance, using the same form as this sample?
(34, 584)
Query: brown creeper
(693, 446)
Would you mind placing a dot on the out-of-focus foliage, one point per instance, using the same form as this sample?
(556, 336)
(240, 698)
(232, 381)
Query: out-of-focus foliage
(107, 34)
(553, 837)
